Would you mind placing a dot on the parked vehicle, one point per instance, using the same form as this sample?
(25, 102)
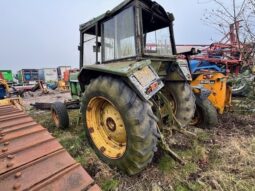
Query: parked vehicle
(127, 89)
(61, 70)
(48, 75)
(7, 76)
(28, 76)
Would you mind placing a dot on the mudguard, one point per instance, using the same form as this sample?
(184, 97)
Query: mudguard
(140, 76)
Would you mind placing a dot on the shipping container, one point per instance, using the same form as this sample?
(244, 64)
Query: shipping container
(61, 70)
(48, 75)
(28, 76)
(7, 75)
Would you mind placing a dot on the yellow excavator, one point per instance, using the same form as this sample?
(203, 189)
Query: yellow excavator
(6, 98)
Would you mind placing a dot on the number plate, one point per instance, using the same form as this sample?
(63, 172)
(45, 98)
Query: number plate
(146, 81)
(145, 76)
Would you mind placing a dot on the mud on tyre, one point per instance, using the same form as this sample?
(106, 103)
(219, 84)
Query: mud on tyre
(60, 115)
(206, 114)
(182, 100)
(120, 127)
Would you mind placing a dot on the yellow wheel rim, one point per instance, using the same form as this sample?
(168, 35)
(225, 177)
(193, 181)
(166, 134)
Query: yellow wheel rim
(197, 118)
(106, 127)
(55, 118)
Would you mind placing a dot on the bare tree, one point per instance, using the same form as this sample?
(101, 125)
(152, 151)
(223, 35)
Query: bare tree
(233, 12)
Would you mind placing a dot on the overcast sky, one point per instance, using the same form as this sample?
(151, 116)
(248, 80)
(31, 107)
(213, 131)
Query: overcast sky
(45, 33)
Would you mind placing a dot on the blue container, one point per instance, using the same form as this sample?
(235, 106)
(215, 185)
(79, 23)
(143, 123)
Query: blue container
(2, 92)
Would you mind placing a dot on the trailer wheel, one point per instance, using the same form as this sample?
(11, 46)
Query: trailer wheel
(120, 127)
(206, 114)
(182, 101)
(60, 115)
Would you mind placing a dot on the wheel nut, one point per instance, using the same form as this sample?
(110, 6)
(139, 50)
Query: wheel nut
(10, 164)
(18, 174)
(102, 149)
(4, 149)
(6, 143)
(10, 156)
(16, 186)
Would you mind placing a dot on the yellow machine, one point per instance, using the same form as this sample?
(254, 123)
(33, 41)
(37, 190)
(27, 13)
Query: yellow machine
(16, 101)
(62, 85)
(216, 82)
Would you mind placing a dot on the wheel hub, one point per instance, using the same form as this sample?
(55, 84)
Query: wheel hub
(108, 131)
(111, 124)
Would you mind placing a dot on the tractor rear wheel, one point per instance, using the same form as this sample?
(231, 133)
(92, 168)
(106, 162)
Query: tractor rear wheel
(182, 101)
(120, 127)
(206, 114)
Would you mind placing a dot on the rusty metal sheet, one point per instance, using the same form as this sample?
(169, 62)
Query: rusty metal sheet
(13, 116)
(2, 113)
(94, 188)
(32, 159)
(19, 126)
(9, 123)
(18, 143)
(27, 154)
(19, 133)
(71, 178)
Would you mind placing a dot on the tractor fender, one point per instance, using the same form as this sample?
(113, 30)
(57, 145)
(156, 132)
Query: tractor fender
(139, 76)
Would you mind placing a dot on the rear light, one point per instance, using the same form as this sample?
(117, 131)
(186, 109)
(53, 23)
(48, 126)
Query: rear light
(152, 87)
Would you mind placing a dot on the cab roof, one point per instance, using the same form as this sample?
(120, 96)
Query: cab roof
(119, 8)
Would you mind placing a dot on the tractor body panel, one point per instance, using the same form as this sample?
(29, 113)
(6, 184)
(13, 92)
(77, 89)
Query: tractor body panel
(140, 76)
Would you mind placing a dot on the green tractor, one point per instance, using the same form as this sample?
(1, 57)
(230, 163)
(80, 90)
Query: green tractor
(131, 85)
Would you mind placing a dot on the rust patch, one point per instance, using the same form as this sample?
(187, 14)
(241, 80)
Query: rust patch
(35, 158)
(102, 149)
(91, 130)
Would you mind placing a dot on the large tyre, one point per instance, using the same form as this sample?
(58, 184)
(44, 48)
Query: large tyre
(206, 114)
(120, 127)
(182, 101)
(60, 115)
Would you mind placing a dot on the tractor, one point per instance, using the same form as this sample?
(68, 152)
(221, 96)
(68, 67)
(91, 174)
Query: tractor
(131, 86)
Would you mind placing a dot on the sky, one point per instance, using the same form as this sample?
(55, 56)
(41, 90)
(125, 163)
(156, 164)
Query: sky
(45, 33)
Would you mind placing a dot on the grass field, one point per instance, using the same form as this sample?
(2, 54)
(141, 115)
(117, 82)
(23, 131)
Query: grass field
(222, 158)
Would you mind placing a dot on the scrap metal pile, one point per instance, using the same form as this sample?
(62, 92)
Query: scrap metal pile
(235, 60)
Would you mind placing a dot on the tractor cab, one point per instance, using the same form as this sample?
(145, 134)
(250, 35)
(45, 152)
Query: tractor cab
(134, 30)
(134, 34)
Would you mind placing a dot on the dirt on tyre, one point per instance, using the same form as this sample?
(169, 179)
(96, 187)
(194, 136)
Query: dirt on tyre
(120, 127)
(60, 115)
(206, 114)
(182, 101)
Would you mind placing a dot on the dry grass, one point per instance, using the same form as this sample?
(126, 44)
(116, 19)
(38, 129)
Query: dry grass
(222, 159)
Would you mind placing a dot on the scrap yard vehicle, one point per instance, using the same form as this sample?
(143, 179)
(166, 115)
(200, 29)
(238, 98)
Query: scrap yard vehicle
(28, 76)
(130, 92)
(7, 76)
(6, 98)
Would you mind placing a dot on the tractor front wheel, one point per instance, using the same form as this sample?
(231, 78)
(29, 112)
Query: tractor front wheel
(120, 127)
(206, 114)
